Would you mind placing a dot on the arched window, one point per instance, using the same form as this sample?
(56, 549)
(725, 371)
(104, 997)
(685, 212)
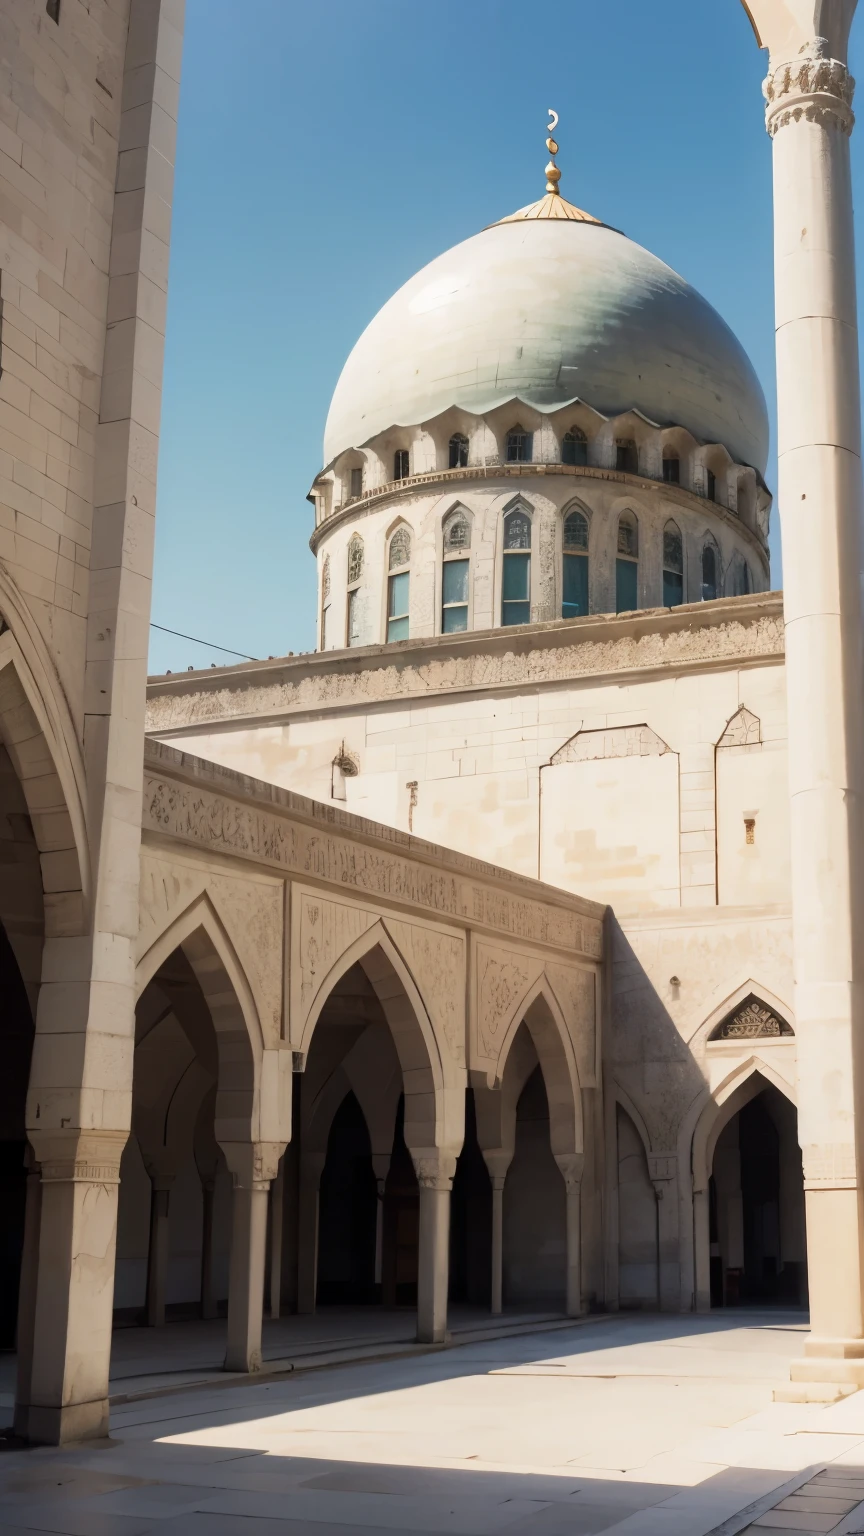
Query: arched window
(356, 483)
(671, 466)
(518, 446)
(325, 600)
(574, 582)
(709, 573)
(398, 584)
(458, 451)
(627, 564)
(355, 576)
(456, 573)
(516, 575)
(673, 566)
(574, 447)
(401, 464)
(710, 485)
(626, 456)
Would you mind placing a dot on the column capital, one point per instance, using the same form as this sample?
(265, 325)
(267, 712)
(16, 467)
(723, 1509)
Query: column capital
(572, 1165)
(812, 87)
(79, 1157)
(435, 1172)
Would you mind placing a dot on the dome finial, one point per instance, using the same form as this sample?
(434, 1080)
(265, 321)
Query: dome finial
(553, 175)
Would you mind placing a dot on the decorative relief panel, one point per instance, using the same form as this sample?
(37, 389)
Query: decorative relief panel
(575, 990)
(752, 1021)
(196, 815)
(503, 978)
(436, 960)
(619, 741)
(250, 909)
(321, 931)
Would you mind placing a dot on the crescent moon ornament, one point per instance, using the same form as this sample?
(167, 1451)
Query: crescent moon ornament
(553, 121)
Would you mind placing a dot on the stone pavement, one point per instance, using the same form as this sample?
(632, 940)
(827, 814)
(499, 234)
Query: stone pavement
(639, 1426)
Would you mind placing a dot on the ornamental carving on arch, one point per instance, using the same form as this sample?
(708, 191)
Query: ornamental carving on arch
(752, 1020)
(619, 741)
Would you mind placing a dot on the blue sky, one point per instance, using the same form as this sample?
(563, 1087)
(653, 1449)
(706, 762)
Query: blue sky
(327, 150)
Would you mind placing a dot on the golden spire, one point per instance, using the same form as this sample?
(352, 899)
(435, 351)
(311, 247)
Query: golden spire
(553, 175)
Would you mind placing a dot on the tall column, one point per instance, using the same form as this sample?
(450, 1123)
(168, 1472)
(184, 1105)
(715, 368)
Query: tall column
(27, 1298)
(497, 1162)
(157, 1257)
(572, 1166)
(253, 1167)
(381, 1168)
(435, 1177)
(209, 1308)
(74, 1285)
(277, 1207)
(311, 1168)
(809, 117)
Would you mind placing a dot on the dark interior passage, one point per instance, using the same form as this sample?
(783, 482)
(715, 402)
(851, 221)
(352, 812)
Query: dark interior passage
(347, 1212)
(471, 1220)
(16, 1043)
(535, 1216)
(757, 1232)
(401, 1224)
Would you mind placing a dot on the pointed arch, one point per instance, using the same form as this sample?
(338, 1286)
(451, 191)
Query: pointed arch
(541, 1012)
(731, 1000)
(621, 1096)
(745, 1082)
(400, 999)
(37, 730)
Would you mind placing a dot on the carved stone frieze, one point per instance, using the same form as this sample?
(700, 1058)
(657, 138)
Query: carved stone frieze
(752, 1021)
(441, 667)
(819, 90)
(196, 815)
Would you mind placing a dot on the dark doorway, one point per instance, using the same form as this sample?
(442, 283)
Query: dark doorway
(535, 1214)
(16, 1043)
(401, 1223)
(471, 1220)
(756, 1208)
(347, 1212)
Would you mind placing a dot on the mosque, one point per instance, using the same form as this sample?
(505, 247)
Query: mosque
(482, 962)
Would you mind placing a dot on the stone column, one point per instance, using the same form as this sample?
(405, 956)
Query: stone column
(277, 1205)
(157, 1256)
(253, 1167)
(209, 1308)
(74, 1286)
(381, 1168)
(663, 1172)
(809, 117)
(497, 1162)
(435, 1177)
(572, 1165)
(27, 1299)
(311, 1168)
(702, 1250)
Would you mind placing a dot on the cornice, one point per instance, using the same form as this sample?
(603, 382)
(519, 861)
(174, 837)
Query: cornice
(693, 637)
(397, 490)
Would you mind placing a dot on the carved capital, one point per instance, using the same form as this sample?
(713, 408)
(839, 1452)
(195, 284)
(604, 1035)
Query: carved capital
(253, 1164)
(435, 1172)
(79, 1157)
(813, 88)
(572, 1165)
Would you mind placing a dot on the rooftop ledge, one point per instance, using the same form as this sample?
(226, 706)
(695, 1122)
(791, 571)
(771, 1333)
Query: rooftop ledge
(677, 494)
(695, 636)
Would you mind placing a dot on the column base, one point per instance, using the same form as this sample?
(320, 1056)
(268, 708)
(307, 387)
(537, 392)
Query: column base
(64, 1426)
(830, 1369)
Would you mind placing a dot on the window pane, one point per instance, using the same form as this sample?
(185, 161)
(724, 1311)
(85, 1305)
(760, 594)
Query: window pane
(628, 537)
(516, 578)
(575, 587)
(517, 531)
(354, 618)
(626, 580)
(397, 597)
(673, 550)
(709, 574)
(458, 451)
(574, 449)
(356, 482)
(515, 613)
(576, 531)
(672, 471)
(455, 586)
(673, 589)
(397, 629)
(454, 621)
